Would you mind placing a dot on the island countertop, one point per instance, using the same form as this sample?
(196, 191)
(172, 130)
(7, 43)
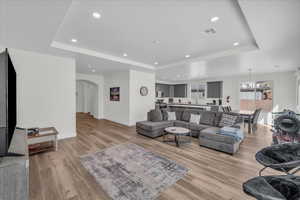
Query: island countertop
(191, 105)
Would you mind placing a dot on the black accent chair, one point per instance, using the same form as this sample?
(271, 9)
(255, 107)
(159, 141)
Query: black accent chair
(254, 120)
(273, 187)
(281, 157)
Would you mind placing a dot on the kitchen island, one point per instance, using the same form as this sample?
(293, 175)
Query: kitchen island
(195, 106)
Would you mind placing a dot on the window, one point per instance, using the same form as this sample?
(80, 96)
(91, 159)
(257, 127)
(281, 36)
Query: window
(255, 95)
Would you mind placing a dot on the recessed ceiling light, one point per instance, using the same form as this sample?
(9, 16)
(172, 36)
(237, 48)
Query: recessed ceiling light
(187, 55)
(93, 70)
(125, 54)
(214, 19)
(96, 15)
(236, 44)
(74, 40)
(156, 63)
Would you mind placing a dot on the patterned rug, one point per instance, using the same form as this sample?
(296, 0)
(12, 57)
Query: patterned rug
(130, 172)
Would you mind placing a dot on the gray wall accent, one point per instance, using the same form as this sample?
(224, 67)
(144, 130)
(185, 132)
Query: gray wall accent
(215, 89)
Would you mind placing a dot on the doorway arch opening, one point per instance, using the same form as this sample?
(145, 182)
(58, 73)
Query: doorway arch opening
(87, 97)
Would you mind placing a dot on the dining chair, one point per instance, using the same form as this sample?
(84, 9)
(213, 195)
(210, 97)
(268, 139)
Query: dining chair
(254, 119)
(223, 108)
(229, 108)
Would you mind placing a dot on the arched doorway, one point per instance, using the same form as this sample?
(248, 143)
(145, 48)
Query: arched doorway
(87, 97)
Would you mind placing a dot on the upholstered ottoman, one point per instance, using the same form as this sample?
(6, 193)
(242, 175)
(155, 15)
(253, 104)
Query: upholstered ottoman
(211, 138)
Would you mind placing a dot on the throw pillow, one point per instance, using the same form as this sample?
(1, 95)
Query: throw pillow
(155, 116)
(195, 118)
(171, 116)
(228, 120)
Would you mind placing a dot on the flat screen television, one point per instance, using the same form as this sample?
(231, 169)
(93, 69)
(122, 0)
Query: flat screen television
(8, 102)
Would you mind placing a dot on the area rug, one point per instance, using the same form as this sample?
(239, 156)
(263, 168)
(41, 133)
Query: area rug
(130, 172)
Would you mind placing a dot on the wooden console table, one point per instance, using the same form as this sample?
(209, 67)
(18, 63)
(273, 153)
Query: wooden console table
(45, 140)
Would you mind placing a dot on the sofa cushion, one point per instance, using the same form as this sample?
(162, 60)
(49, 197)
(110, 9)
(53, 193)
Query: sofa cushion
(197, 127)
(218, 117)
(212, 134)
(228, 120)
(181, 124)
(165, 111)
(207, 118)
(151, 126)
(186, 115)
(155, 115)
(178, 114)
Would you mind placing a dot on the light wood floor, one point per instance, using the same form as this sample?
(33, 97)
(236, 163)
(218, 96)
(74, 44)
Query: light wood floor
(212, 175)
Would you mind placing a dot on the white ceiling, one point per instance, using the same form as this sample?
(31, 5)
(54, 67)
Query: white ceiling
(133, 26)
(268, 33)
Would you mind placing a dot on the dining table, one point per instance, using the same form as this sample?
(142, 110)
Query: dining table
(246, 114)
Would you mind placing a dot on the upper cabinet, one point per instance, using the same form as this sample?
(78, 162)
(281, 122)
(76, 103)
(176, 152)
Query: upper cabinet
(180, 90)
(166, 90)
(215, 89)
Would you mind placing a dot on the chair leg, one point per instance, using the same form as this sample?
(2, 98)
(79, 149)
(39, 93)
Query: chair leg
(260, 171)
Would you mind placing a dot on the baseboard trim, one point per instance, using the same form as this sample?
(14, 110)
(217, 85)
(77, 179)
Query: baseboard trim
(118, 123)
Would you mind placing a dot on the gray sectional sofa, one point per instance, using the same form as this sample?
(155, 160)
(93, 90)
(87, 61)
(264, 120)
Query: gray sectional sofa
(207, 130)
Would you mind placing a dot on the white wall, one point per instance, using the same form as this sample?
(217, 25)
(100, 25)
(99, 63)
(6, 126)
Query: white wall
(99, 81)
(140, 105)
(46, 91)
(132, 107)
(117, 111)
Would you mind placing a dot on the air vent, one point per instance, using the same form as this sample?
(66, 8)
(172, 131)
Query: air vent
(210, 31)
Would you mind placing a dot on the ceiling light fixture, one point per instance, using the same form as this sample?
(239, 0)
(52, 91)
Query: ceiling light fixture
(93, 70)
(187, 55)
(96, 15)
(236, 44)
(156, 42)
(210, 31)
(125, 54)
(214, 19)
(156, 63)
(74, 40)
